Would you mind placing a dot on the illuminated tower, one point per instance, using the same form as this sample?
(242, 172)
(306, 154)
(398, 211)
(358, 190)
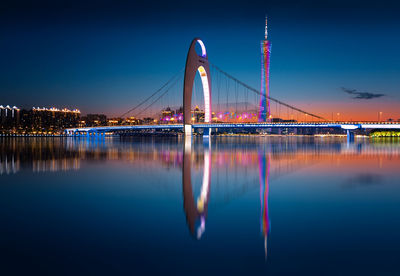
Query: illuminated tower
(264, 110)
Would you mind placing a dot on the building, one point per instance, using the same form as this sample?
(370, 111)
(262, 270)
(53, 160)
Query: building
(9, 117)
(114, 121)
(171, 116)
(53, 119)
(167, 114)
(37, 120)
(197, 115)
(264, 109)
(131, 121)
(147, 121)
(92, 120)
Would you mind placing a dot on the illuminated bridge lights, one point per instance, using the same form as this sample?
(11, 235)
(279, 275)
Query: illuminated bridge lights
(345, 126)
(53, 109)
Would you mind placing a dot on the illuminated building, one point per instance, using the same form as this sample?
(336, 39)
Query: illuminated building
(37, 120)
(264, 108)
(53, 119)
(198, 115)
(9, 117)
(114, 122)
(147, 121)
(131, 121)
(166, 115)
(92, 120)
(170, 116)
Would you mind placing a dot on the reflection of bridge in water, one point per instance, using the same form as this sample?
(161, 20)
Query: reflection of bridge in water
(55, 154)
(232, 166)
(270, 160)
(196, 211)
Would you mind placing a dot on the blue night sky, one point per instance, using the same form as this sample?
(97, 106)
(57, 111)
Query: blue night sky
(104, 57)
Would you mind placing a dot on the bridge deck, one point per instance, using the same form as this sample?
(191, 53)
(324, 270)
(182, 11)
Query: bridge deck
(345, 125)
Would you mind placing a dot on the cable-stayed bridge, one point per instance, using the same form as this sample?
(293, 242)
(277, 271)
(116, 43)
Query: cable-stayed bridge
(225, 103)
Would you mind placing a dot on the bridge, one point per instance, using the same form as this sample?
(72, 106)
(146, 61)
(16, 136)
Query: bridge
(348, 126)
(248, 120)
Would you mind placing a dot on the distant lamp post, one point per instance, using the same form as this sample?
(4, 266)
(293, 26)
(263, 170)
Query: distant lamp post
(379, 116)
(338, 116)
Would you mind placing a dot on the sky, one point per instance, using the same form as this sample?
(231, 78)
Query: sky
(327, 57)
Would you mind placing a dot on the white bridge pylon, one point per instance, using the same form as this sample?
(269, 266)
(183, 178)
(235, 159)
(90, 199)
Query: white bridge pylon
(196, 63)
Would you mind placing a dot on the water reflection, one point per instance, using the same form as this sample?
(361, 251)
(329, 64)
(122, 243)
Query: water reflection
(38, 155)
(287, 158)
(263, 167)
(195, 213)
(60, 154)
(114, 194)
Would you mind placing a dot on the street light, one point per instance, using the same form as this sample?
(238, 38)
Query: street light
(338, 114)
(379, 116)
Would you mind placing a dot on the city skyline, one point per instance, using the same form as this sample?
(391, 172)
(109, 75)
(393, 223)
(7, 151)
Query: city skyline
(105, 62)
(210, 137)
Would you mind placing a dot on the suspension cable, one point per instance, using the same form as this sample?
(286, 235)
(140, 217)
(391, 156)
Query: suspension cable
(152, 95)
(159, 97)
(270, 98)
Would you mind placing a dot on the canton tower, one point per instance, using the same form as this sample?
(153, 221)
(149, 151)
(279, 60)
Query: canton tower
(264, 110)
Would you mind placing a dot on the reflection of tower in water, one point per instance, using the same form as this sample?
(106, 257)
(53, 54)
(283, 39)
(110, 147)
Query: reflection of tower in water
(195, 213)
(263, 163)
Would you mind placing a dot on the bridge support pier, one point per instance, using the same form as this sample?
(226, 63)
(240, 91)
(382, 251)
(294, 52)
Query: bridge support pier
(206, 132)
(188, 130)
(350, 136)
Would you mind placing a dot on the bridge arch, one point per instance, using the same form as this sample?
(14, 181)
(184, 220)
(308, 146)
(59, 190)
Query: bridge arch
(196, 63)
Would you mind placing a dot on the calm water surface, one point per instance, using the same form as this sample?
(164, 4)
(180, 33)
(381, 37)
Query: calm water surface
(234, 205)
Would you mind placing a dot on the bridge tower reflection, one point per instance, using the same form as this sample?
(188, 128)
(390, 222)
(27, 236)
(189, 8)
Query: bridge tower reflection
(263, 167)
(195, 213)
